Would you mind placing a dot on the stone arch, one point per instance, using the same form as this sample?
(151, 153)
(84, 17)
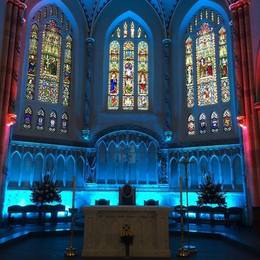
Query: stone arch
(15, 164)
(226, 172)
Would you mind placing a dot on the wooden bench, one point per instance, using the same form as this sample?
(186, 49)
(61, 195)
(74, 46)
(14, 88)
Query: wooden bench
(211, 215)
(39, 213)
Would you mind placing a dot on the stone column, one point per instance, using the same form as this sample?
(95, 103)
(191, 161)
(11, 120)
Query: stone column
(246, 96)
(166, 84)
(86, 117)
(9, 80)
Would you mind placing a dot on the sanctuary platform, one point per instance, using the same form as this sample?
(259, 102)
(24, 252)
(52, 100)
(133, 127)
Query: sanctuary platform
(103, 225)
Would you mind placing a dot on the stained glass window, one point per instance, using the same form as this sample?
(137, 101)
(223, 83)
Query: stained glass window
(142, 75)
(64, 123)
(223, 65)
(203, 123)
(128, 76)
(50, 64)
(40, 119)
(206, 76)
(52, 121)
(189, 72)
(191, 125)
(206, 66)
(128, 68)
(67, 71)
(227, 124)
(32, 60)
(27, 121)
(49, 71)
(114, 57)
(214, 122)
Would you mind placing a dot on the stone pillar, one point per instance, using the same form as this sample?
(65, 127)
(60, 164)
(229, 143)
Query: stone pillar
(166, 83)
(86, 117)
(9, 80)
(246, 96)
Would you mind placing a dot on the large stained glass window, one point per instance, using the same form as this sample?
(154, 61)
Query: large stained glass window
(206, 66)
(50, 64)
(207, 75)
(49, 70)
(128, 75)
(32, 60)
(67, 71)
(189, 72)
(223, 65)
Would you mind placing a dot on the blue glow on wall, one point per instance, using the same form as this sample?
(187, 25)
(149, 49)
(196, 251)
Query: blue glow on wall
(84, 198)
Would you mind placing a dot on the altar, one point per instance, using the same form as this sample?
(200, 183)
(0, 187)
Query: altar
(103, 224)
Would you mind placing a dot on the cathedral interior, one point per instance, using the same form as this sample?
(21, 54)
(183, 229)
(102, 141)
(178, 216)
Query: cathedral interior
(109, 92)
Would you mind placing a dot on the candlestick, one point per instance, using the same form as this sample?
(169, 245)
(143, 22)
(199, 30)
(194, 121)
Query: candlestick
(73, 191)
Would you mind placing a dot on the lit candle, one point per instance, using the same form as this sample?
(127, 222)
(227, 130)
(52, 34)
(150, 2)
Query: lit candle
(73, 191)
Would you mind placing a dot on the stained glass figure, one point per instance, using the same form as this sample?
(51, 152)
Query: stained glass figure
(53, 121)
(64, 123)
(214, 122)
(67, 71)
(128, 75)
(40, 119)
(223, 66)
(28, 114)
(142, 75)
(203, 123)
(189, 72)
(227, 123)
(113, 91)
(50, 64)
(32, 61)
(191, 125)
(206, 66)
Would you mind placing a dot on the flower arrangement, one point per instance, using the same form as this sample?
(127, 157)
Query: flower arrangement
(211, 193)
(45, 191)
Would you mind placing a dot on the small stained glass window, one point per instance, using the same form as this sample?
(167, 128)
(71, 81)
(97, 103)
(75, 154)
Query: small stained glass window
(28, 114)
(203, 123)
(214, 122)
(53, 121)
(191, 125)
(227, 123)
(40, 119)
(64, 123)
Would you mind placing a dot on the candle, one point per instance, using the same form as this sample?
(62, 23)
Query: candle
(73, 191)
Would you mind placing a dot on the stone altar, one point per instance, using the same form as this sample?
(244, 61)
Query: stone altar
(102, 226)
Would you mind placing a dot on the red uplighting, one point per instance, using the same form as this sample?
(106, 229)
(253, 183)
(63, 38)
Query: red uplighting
(241, 120)
(11, 119)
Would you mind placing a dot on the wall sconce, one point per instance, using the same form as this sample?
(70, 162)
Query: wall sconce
(168, 136)
(85, 133)
(11, 119)
(241, 120)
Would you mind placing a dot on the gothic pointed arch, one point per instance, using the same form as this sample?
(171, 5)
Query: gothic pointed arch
(48, 70)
